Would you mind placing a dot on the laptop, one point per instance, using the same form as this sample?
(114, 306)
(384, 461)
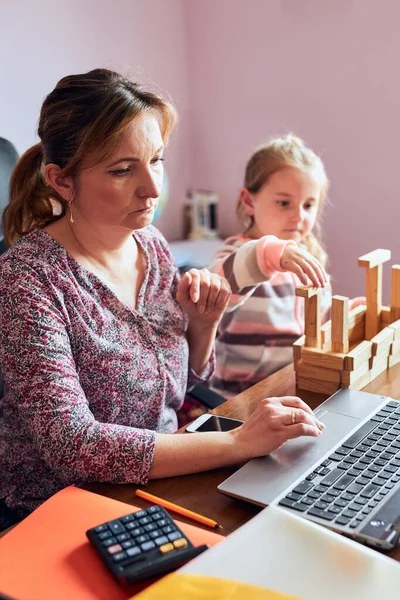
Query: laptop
(348, 479)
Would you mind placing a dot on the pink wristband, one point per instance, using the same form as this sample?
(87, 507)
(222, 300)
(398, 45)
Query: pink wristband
(269, 252)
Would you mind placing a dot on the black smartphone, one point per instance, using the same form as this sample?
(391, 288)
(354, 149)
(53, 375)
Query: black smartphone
(209, 422)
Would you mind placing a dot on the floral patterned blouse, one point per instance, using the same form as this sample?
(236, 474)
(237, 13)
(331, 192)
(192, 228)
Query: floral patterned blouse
(88, 380)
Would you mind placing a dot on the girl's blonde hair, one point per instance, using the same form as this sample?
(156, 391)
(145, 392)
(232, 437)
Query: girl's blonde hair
(281, 153)
(83, 116)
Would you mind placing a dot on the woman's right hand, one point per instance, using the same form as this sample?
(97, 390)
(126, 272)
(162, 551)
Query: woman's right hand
(274, 421)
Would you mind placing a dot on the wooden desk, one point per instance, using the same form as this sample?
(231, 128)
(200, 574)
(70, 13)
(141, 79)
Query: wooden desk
(199, 492)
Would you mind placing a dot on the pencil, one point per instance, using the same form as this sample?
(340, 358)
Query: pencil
(178, 509)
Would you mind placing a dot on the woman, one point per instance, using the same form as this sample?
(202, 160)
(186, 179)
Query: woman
(99, 338)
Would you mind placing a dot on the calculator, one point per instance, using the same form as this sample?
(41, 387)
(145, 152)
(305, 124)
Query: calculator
(142, 545)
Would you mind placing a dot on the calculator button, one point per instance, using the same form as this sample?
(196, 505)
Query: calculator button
(127, 544)
(122, 537)
(161, 540)
(133, 551)
(119, 556)
(150, 527)
(163, 522)
(127, 519)
(180, 543)
(166, 548)
(144, 521)
(104, 535)
(100, 528)
(114, 549)
(116, 527)
(168, 529)
(157, 516)
(174, 535)
(148, 546)
(136, 530)
(109, 542)
(155, 534)
(153, 509)
(140, 513)
(142, 538)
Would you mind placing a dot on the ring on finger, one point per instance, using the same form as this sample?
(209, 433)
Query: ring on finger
(293, 417)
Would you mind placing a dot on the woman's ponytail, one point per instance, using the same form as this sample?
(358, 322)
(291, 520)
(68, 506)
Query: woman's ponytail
(29, 203)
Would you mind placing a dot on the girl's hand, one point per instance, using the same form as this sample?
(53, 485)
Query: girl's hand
(304, 265)
(203, 296)
(274, 421)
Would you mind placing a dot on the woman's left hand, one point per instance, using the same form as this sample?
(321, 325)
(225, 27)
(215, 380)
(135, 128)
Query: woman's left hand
(203, 296)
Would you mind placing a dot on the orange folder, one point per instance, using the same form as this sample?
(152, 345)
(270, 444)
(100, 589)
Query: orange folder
(48, 557)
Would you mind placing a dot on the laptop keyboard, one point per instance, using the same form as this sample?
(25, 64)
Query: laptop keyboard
(355, 479)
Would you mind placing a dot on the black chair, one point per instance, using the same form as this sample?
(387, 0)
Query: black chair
(8, 159)
(207, 397)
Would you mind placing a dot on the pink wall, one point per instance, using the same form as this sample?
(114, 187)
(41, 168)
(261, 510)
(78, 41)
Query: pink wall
(239, 71)
(329, 71)
(40, 42)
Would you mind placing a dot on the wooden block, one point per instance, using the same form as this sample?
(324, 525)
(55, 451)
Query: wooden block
(297, 347)
(312, 321)
(373, 261)
(381, 342)
(394, 348)
(357, 333)
(374, 258)
(350, 377)
(356, 321)
(307, 371)
(385, 317)
(358, 356)
(396, 328)
(395, 293)
(313, 385)
(379, 365)
(394, 359)
(321, 358)
(361, 383)
(326, 332)
(357, 315)
(340, 327)
(307, 292)
(374, 301)
(326, 336)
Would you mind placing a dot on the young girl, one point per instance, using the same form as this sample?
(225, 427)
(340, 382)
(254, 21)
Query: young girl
(279, 208)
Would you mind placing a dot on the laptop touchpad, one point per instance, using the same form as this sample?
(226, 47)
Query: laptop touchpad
(306, 450)
(262, 479)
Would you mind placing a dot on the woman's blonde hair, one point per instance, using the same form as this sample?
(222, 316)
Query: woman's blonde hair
(281, 153)
(83, 116)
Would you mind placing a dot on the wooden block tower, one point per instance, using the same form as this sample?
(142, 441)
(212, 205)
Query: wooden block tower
(355, 346)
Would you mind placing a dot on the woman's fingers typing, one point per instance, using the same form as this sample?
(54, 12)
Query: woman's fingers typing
(296, 416)
(295, 402)
(274, 421)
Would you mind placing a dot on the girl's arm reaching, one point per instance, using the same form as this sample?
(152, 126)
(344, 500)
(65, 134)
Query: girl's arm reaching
(246, 264)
